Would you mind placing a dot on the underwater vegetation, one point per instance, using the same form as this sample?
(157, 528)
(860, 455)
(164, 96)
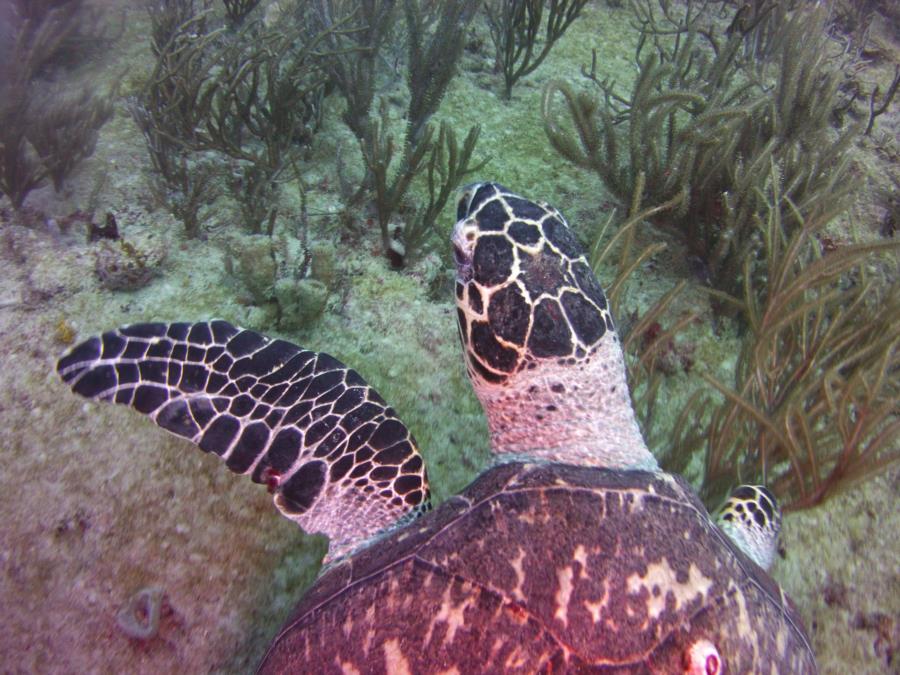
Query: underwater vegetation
(245, 100)
(814, 406)
(515, 26)
(734, 138)
(252, 92)
(793, 371)
(48, 123)
(431, 64)
(702, 124)
(246, 92)
(237, 10)
(730, 143)
(285, 274)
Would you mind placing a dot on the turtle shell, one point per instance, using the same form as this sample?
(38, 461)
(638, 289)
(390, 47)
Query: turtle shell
(547, 567)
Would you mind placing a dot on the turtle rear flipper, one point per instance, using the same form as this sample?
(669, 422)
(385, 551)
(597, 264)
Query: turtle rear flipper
(751, 518)
(331, 450)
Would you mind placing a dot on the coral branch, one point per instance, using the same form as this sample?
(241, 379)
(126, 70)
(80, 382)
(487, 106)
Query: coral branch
(515, 28)
(700, 122)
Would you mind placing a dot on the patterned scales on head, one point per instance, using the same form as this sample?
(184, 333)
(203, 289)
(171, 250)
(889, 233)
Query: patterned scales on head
(574, 552)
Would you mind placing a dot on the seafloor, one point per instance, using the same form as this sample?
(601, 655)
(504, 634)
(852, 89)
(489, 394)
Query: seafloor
(97, 503)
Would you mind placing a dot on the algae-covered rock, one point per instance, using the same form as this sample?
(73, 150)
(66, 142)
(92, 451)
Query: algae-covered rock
(252, 261)
(322, 263)
(301, 302)
(126, 265)
(284, 271)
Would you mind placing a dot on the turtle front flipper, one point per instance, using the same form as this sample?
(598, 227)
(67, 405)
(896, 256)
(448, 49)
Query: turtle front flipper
(333, 452)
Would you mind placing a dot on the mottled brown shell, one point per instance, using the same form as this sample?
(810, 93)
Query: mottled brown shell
(547, 566)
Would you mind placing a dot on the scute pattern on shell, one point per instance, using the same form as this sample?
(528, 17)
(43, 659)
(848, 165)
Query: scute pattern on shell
(548, 566)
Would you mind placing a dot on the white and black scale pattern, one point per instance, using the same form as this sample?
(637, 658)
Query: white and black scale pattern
(751, 517)
(527, 291)
(297, 420)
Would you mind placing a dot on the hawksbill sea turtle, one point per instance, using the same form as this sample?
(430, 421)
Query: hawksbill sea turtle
(573, 552)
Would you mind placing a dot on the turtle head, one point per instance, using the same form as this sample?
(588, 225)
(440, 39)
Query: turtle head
(539, 340)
